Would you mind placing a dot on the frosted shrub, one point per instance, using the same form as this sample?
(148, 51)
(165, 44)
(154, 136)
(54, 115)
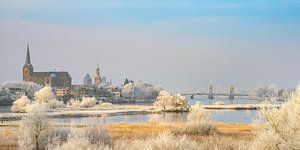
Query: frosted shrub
(88, 102)
(20, 104)
(44, 95)
(91, 138)
(167, 101)
(55, 137)
(139, 90)
(164, 141)
(199, 123)
(97, 134)
(47, 97)
(196, 129)
(198, 115)
(34, 130)
(281, 126)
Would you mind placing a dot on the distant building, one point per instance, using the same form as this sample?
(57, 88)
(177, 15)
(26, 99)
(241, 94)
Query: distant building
(97, 77)
(87, 80)
(62, 92)
(54, 79)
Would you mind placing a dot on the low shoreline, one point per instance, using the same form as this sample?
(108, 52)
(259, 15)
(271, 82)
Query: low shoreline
(118, 110)
(241, 106)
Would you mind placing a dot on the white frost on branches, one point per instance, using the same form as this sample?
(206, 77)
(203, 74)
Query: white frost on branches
(281, 126)
(140, 91)
(21, 104)
(86, 102)
(168, 101)
(28, 88)
(43, 97)
(271, 92)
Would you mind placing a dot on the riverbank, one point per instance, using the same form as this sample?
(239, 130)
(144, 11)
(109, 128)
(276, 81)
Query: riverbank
(227, 134)
(241, 106)
(118, 110)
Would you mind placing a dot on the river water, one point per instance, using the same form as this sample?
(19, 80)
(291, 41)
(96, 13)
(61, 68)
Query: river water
(228, 116)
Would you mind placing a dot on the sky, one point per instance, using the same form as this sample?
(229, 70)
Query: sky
(183, 45)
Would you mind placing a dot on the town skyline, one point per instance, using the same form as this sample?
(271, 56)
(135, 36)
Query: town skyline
(181, 45)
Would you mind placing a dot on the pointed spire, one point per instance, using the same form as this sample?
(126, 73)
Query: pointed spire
(27, 61)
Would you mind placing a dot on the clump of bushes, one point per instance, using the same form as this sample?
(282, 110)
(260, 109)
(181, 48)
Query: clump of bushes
(280, 127)
(91, 138)
(21, 104)
(86, 102)
(171, 102)
(43, 97)
(199, 123)
(36, 134)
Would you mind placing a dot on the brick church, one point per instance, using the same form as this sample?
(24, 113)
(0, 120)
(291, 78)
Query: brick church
(54, 79)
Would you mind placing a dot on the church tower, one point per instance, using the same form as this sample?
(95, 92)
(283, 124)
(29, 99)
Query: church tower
(97, 76)
(27, 68)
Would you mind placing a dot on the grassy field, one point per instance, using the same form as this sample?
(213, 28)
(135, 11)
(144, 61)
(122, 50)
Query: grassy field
(227, 134)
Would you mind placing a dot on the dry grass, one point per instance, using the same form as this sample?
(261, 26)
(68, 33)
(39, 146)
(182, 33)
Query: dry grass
(227, 133)
(8, 138)
(138, 130)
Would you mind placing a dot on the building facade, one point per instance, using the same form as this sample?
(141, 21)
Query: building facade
(54, 79)
(87, 80)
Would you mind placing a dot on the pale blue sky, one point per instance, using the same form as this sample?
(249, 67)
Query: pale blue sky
(183, 45)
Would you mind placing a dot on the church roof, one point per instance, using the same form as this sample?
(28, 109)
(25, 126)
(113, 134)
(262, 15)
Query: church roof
(50, 74)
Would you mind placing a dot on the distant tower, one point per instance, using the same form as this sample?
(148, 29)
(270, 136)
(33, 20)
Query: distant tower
(97, 76)
(231, 92)
(87, 80)
(27, 68)
(210, 94)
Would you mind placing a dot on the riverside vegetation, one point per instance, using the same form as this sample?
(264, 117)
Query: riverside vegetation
(277, 128)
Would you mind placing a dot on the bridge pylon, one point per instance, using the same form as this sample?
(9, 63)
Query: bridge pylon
(210, 94)
(231, 92)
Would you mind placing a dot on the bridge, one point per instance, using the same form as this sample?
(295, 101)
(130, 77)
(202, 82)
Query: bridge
(211, 95)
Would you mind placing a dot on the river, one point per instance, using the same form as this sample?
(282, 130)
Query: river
(228, 116)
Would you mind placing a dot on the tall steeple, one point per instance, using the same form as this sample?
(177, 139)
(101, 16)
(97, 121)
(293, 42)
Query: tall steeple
(27, 68)
(27, 60)
(97, 76)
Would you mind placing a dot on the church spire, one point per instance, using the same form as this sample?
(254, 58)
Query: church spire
(97, 76)
(27, 61)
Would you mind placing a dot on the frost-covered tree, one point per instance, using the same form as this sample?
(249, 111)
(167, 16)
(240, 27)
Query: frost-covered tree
(168, 101)
(262, 93)
(140, 91)
(198, 114)
(34, 128)
(281, 126)
(88, 102)
(28, 88)
(46, 96)
(21, 104)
